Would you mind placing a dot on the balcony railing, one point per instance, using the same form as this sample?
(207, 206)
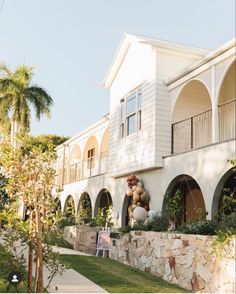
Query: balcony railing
(227, 120)
(81, 170)
(192, 132)
(196, 131)
(75, 172)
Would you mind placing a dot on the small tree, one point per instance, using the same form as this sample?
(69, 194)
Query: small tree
(173, 207)
(30, 177)
(84, 210)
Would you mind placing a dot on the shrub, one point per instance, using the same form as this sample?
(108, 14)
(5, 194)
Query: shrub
(56, 238)
(201, 227)
(66, 221)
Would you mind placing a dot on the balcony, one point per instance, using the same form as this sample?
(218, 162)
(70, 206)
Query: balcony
(196, 131)
(93, 166)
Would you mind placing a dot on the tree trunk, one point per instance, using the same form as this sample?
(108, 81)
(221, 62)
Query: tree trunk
(30, 267)
(15, 128)
(40, 252)
(30, 256)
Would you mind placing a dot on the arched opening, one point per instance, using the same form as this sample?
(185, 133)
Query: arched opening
(104, 151)
(75, 163)
(69, 208)
(227, 105)
(103, 201)
(84, 209)
(192, 199)
(191, 118)
(90, 157)
(225, 187)
(126, 216)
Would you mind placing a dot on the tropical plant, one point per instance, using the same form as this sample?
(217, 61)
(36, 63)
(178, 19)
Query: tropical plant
(17, 95)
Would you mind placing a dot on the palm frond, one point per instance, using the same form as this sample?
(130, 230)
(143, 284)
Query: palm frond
(40, 100)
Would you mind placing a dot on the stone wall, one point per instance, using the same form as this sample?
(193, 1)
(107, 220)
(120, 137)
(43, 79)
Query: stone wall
(191, 261)
(83, 238)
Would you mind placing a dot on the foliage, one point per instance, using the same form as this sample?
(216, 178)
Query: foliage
(44, 142)
(9, 261)
(84, 210)
(200, 227)
(173, 206)
(30, 177)
(4, 198)
(56, 238)
(103, 217)
(229, 202)
(17, 94)
(125, 230)
(66, 221)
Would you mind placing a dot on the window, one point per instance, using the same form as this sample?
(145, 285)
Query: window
(131, 124)
(91, 158)
(130, 113)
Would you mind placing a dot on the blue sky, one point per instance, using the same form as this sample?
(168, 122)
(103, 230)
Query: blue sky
(72, 43)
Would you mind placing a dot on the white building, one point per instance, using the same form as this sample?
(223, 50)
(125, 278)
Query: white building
(171, 123)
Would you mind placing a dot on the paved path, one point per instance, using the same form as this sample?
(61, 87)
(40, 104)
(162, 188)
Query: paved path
(70, 281)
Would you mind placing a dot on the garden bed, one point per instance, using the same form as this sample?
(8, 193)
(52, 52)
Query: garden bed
(194, 262)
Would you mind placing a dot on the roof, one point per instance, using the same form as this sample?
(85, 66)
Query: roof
(129, 39)
(227, 46)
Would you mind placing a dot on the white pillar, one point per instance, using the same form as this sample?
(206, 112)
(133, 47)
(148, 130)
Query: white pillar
(214, 118)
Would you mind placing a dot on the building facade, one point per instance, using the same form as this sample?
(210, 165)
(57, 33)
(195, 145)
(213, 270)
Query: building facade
(171, 123)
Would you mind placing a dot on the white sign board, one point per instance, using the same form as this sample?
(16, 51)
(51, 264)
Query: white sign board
(104, 240)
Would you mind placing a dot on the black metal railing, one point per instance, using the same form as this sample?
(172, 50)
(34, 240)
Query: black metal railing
(227, 120)
(192, 132)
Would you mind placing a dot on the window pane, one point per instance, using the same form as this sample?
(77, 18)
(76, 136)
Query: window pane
(131, 104)
(122, 111)
(139, 99)
(131, 124)
(122, 130)
(139, 120)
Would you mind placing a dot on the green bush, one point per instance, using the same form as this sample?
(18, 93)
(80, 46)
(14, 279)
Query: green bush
(201, 227)
(56, 238)
(66, 221)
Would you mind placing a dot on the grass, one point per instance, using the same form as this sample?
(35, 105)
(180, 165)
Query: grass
(119, 278)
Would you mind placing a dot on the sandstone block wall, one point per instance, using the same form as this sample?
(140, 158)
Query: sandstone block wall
(191, 261)
(83, 238)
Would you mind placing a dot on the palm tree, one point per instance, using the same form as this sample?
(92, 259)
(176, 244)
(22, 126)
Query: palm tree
(17, 95)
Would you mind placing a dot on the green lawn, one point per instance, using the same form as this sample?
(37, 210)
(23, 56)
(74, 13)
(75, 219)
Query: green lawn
(119, 278)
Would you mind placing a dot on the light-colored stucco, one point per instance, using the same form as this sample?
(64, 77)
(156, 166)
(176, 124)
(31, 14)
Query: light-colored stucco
(202, 84)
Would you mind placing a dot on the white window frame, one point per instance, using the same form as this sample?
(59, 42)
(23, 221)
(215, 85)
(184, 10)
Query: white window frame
(124, 115)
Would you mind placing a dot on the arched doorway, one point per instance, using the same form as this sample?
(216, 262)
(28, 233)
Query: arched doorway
(227, 105)
(84, 209)
(90, 157)
(126, 218)
(191, 117)
(192, 199)
(69, 208)
(103, 201)
(75, 163)
(226, 186)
